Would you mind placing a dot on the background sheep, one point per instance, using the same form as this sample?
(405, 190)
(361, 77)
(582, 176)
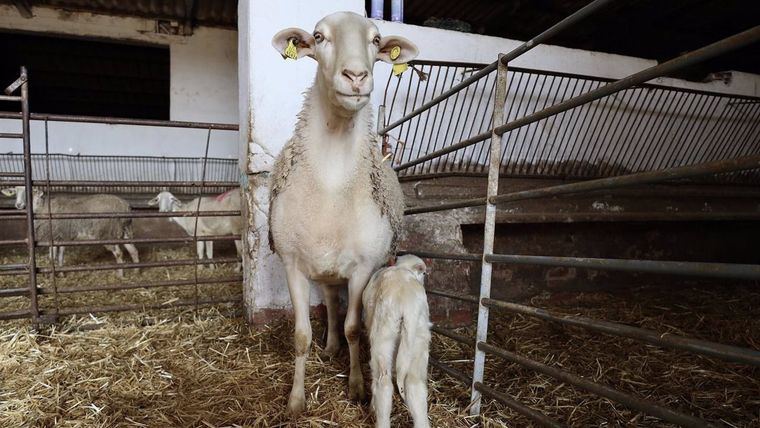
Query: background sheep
(207, 226)
(79, 229)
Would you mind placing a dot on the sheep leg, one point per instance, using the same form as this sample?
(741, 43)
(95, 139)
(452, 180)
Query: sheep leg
(416, 393)
(132, 250)
(210, 253)
(382, 387)
(352, 328)
(332, 346)
(60, 255)
(118, 255)
(199, 247)
(298, 285)
(239, 248)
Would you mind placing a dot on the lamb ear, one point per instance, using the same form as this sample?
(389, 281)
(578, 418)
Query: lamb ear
(408, 50)
(153, 202)
(10, 192)
(303, 41)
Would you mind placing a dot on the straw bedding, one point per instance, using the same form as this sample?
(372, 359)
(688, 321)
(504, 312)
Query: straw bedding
(182, 367)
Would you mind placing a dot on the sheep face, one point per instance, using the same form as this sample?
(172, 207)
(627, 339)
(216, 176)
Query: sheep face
(345, 46)
(20, 193)
(166, 202)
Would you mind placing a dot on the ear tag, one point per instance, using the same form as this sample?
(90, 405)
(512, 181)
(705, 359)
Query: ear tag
(291, 51)
(397, 68)
(395, 52)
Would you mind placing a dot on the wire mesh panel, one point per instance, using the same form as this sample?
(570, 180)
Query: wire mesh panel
(643, 128)
(134, 169)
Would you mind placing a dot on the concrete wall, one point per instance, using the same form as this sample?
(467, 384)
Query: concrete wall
(203, 87)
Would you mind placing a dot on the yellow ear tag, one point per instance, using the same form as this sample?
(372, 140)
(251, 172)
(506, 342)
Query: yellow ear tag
(395, 52)
(399, 68)
(291, 51)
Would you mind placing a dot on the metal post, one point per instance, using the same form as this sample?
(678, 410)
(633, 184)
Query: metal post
(29, 198)
(490, 230)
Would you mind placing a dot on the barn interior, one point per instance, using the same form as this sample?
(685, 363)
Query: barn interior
(573, 339)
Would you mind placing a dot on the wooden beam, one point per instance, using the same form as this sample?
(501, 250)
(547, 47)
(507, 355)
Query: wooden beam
(191, 7)
(24, 8)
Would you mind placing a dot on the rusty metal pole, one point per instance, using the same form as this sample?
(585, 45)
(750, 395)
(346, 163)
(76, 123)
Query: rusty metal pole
(34, 309)
(494, 165)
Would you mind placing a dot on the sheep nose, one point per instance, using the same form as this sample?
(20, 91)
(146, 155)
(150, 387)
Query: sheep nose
(355, 77)
(20, 205)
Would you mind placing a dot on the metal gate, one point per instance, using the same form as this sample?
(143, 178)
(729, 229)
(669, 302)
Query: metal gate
(15, 173)
(500, 129)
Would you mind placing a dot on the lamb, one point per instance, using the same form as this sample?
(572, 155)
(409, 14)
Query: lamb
(207, 226)
(396, 317)
(336, 208)
(80, 229)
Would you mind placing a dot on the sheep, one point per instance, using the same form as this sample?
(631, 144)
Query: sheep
(336, 208)
(207, 226)
(396, 318)
(79, 229)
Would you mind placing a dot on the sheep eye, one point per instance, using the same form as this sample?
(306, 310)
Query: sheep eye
(318, 37)
(376, 41)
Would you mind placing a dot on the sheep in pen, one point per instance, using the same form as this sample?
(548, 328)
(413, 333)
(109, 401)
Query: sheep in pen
(572, 280)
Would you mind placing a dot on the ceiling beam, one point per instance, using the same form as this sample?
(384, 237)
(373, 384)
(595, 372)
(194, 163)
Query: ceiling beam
(191, 7)
(24, 8)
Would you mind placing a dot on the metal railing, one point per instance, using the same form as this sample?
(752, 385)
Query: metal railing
(22, 170)
(653, 127)
(732, 150)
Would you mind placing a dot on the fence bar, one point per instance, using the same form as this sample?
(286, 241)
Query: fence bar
(598, 389)
(157, 284)
(666, 340)
(720, 47)
(456, 374)
(122, 121)
(163, 263)
(13, 315)
(557, 28)
(443, 256)
(518, 407)
(463, 297)
(716, 167)
(13, 242)
(13, 292)
(10, 98)
(734, 42)
(133, 307)
(183, 240)
(489, 232)
(465, 203)
(33, 308)
(125, 183)
(453, 335)
(10, 135)
(134, 214)
(711, 270)
(650, 177)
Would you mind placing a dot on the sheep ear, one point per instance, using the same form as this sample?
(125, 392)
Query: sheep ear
(153, 202)
(9, 192)
(396, 50)
(302, 41)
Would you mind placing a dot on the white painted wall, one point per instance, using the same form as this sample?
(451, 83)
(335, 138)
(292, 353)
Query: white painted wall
(203, 87)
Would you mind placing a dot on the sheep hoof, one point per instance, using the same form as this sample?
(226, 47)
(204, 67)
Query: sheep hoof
(296, 404)
(330, 351)
(356, 388)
